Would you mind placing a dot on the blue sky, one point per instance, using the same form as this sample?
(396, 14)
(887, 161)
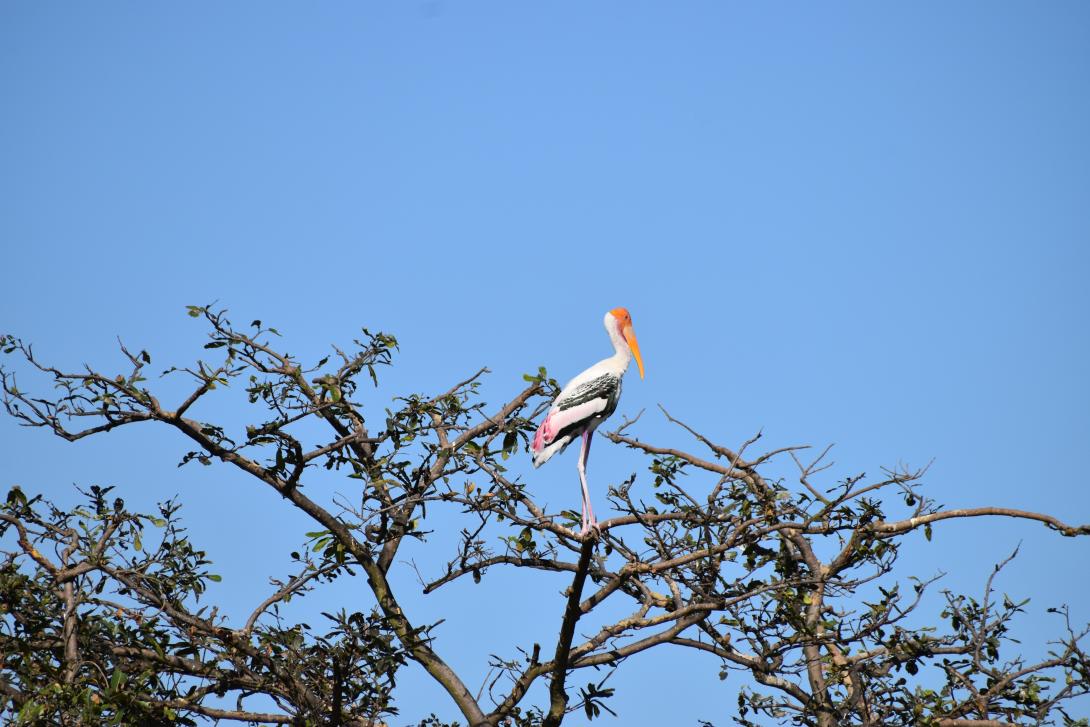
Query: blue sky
(861, 223)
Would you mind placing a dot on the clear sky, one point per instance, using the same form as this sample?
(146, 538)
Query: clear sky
(857, 222)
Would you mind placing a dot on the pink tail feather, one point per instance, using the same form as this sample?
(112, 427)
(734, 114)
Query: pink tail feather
(543, 436)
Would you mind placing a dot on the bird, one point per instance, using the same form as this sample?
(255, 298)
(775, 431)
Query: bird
(585, 402)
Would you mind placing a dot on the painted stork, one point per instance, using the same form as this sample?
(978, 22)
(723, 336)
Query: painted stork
(585, 402)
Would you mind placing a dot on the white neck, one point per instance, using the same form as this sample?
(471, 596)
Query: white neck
(622, 353)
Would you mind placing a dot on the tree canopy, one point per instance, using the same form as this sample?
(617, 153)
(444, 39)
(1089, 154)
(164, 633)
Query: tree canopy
(794, 583)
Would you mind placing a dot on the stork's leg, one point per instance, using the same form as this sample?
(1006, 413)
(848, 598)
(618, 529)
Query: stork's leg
(588, 512)
(586, 490)
(579, 465)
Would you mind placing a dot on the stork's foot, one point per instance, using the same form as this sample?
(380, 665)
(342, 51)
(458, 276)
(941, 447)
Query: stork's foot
(590, 530)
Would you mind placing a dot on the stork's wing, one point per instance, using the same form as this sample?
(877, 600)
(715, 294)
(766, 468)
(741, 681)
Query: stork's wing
(577, 407)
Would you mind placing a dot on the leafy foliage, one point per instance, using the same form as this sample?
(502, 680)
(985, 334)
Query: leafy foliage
(103, 618)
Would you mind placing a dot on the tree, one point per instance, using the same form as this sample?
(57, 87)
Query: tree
(102, 619)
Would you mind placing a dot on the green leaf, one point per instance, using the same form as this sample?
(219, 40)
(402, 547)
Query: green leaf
(30, 712)
(116, 679)
(214, 577)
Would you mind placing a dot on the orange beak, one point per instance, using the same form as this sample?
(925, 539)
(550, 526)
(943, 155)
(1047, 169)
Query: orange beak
(630, 336)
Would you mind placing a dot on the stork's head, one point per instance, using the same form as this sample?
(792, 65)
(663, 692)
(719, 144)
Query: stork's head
(623, 321)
